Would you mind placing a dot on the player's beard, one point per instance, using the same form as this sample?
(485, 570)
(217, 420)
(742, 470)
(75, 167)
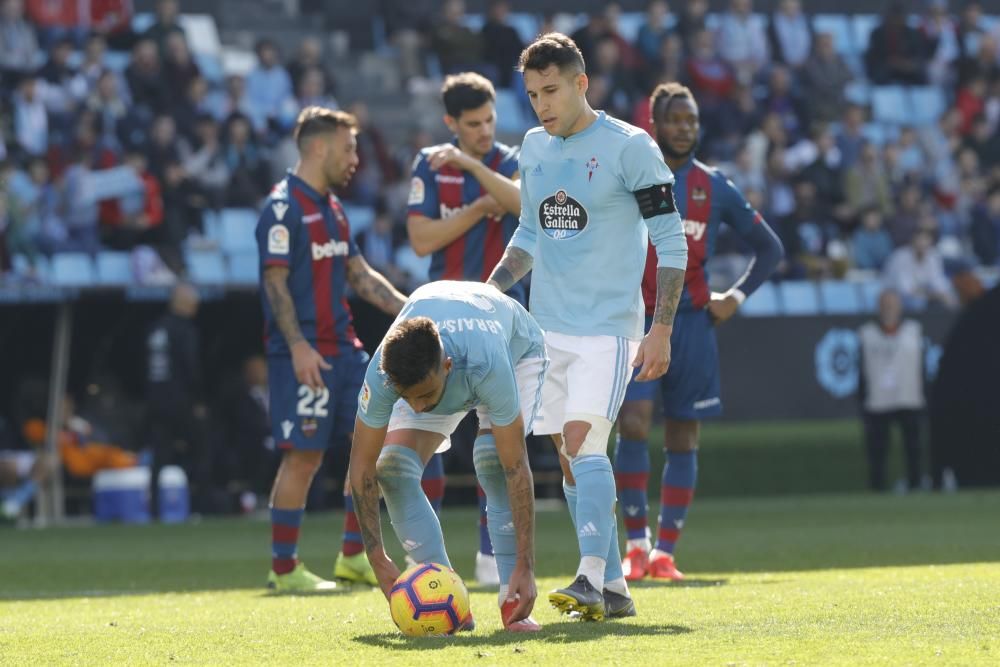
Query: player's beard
(675, 155)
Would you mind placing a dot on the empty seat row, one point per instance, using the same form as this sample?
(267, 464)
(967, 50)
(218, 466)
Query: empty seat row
(803, 297)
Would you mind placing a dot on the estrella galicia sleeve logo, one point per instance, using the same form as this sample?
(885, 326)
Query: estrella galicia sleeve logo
(561, 216)
(837, 362)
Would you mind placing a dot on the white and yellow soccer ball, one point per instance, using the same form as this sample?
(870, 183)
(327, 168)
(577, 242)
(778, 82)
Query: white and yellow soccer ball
(430, 599)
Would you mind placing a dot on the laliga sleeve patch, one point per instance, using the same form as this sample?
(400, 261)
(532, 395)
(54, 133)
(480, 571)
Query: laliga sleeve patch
(365, 397)
(277, 240)
(656, 200)
(416, 191)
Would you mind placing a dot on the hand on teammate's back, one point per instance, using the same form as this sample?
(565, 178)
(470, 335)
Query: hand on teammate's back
(308, 365)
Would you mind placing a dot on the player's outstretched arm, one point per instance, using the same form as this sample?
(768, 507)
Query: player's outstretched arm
(373, 287)
(306, 361)
(654, 353)
(365, 448)
(513, 266)
(521, 489)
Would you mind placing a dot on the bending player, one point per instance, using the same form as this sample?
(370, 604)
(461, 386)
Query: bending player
(690, 389)
(316, 363)
(591, 187)
(455, 346)
(463, 209)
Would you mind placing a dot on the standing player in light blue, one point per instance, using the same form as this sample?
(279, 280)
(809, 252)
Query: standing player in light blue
(690, 389)
(591, 187)
(454, 347)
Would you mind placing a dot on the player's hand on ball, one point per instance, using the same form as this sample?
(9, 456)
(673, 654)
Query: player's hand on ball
(521, 588)
(448, 155)
(386, 572)
(722, 306)
(653, 358)
(308, 364)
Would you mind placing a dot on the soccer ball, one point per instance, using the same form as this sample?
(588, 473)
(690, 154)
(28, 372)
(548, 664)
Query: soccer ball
(429, 599)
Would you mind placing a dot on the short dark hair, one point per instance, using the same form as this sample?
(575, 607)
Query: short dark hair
(668, 90)
(316, 120)
(552, 48)
(410, 352)
(466, 91)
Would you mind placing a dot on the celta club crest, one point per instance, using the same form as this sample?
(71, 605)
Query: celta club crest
(592, 164)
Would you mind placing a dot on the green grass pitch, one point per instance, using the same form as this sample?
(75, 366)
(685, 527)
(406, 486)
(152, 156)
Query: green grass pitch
(820, 579)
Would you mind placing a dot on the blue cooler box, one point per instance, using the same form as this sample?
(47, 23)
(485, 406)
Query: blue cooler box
(122, 495)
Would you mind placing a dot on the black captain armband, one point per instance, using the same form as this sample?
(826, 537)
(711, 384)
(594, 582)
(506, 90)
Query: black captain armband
(656, 200)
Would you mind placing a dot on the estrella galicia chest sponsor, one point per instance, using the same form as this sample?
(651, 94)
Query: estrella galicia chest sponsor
(561, 216)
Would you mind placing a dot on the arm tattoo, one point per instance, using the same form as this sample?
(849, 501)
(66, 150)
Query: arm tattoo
(366, 507)
(373, 287)
(521, 490)
(282, 306)
(513, 266)
(669, 283)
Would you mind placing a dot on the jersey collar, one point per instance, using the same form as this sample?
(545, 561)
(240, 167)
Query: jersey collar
(305, 187)
(590, 129)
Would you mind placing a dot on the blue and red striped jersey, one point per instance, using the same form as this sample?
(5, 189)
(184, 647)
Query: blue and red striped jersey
(440, 194)
(309, 233)
(705, 198)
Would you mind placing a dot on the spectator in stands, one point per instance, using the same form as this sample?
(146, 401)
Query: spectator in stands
(378, 244)
(822, 165)
(138, 215)
(824, 77)
(457, 48)
(376, 168)
(668, 65)
(269, 89)
(768, 141)
(175, 395)
(903, 224)
(18, 227)
(941, 36)
(107, 104)
(790, 34)
(866, 184)
(587, 36)
(190, 107)
(805, 233)
(502, 44)
(19, 52)
(167, 22)
(93, 65)
(692, 20)
(971, 29)
(31, 120)
(781, 99)
(891, 389)
(984, 138)
(79, 210)
(309, 57)
(236, 102)
(247, 165)
(145, 77)
(179, 68)
(310, 91)
(741, 40)
(35, 202)
(871, 244)
(653, 31)
(204, 162)
(911, 159)
(619, 86)
(916, 271)
(709, 77)
(630, 59)
(64, 87)
(896, 52)
(985, 229)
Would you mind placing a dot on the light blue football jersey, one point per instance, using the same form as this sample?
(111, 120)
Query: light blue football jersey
(581, 223)
(484, 332)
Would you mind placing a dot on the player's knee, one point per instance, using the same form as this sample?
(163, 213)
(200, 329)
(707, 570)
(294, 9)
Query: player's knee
(680, 436)
(634, 424)
(303, 464)
(585, 435)
(392, 471)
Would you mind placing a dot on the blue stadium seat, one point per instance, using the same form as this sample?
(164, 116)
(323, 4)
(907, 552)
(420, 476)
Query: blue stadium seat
(205, 267)
(840, 297)
(762, 303)
(799, 297)
(21, 266)
(244, 268)
(210, 225)
(927, 104)
(510, 118)
(359, 217)
(210, 66)
(525, 24)
(473, 22)
(862, 26)
(629, 24)
(418, 267)
(114, 268)
(72, 269)
(236, 229)
(870, 290)
(839, 27)
(890, 105)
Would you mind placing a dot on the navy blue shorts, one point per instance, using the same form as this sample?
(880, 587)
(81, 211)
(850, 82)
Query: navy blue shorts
(305, 419)
(691, 387)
